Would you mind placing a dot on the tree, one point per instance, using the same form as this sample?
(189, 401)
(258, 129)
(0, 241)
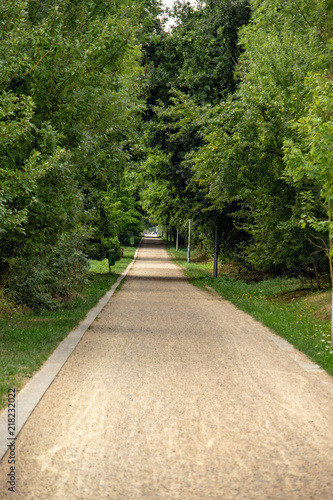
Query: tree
(189, 69)
(243, 159)
(69, 85)
(309, 156)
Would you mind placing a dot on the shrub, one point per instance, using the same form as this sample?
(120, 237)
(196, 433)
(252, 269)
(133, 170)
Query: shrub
(43, 280)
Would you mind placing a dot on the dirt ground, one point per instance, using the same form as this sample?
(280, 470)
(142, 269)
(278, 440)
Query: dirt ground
(173, 393)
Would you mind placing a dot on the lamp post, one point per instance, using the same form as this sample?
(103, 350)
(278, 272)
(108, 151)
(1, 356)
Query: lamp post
(216, 255)
(189, 241)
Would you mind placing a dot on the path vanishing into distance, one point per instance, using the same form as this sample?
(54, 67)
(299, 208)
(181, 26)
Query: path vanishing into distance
(173, 393)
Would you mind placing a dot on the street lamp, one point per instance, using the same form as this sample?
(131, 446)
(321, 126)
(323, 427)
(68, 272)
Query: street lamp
(189, 241)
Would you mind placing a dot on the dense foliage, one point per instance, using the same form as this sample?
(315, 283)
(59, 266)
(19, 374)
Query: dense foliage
(189, 68)
(225, 118)
(69, 106)
(247, 148)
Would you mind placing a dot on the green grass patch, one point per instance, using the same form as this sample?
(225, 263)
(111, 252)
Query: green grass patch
(287, 306)
(27, 340)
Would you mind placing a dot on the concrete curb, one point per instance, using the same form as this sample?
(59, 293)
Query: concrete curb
(33, 391)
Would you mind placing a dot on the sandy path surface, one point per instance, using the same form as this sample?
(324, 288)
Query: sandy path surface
(173, 393)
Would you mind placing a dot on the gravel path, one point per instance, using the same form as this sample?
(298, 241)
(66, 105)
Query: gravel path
(173, 393)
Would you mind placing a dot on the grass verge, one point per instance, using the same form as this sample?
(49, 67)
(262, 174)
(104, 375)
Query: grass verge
(27, 340)
(287, 306)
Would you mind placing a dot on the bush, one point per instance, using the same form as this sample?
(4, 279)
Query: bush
(112, 243)
(42, 281)
(7, 308)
